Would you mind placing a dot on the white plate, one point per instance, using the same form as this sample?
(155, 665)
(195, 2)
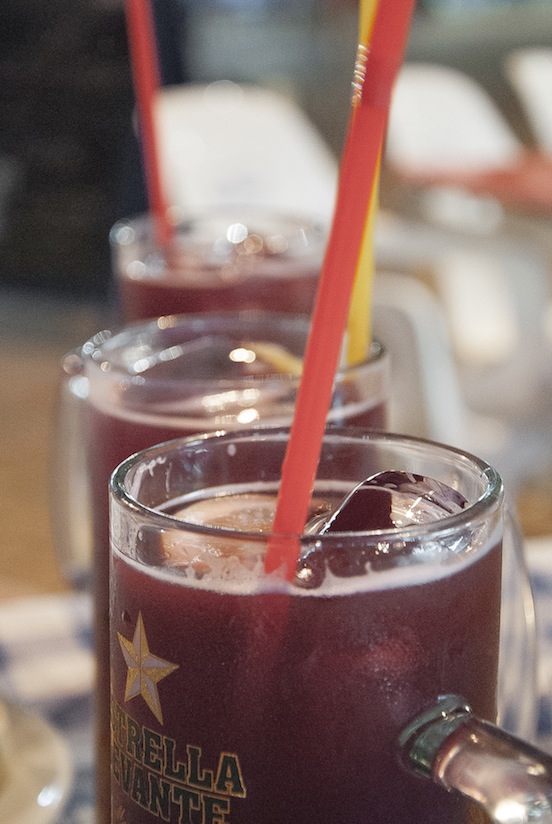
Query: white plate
(35, 768)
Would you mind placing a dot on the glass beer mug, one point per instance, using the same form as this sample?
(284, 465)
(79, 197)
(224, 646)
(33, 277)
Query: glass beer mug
(244, 695)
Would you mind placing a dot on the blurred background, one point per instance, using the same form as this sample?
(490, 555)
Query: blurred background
(66, 100)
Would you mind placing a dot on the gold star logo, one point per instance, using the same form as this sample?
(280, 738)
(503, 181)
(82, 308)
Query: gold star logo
(145, 670)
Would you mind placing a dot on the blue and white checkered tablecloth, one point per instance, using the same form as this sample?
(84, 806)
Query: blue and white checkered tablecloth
(539, 558)
(47, 664)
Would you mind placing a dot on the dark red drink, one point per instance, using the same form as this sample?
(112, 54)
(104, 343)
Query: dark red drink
(178, 381)
(228, 260)
(319, 742)
(178, 291)
(282, 703)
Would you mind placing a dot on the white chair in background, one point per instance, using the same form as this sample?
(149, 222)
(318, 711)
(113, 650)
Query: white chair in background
(428, 398)
(493, 287)
(224, 143)
(491, 278)
(442, 121)
(530, 73)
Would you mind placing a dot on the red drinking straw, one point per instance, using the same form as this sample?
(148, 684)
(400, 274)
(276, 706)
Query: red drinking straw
(359, 163)
(145, 73)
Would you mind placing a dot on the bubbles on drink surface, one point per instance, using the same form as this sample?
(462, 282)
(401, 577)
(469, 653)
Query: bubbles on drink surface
(385, 502)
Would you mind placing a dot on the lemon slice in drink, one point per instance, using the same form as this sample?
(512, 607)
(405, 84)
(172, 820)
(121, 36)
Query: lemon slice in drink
(222, 556)
(277, 356)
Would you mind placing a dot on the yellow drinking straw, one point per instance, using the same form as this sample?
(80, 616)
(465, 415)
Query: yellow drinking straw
(359, 331)
(366, 17)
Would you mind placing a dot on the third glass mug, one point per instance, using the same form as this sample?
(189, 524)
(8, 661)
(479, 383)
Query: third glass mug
(239, 696)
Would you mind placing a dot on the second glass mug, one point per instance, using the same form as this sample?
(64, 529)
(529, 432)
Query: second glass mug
(239, 696)
(161, 379)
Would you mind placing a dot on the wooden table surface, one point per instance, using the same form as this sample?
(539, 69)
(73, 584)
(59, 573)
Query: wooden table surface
(34, 334)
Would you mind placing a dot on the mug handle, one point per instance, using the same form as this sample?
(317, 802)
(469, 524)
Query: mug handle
(509, 778)
(517, 700)
(70, 508)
